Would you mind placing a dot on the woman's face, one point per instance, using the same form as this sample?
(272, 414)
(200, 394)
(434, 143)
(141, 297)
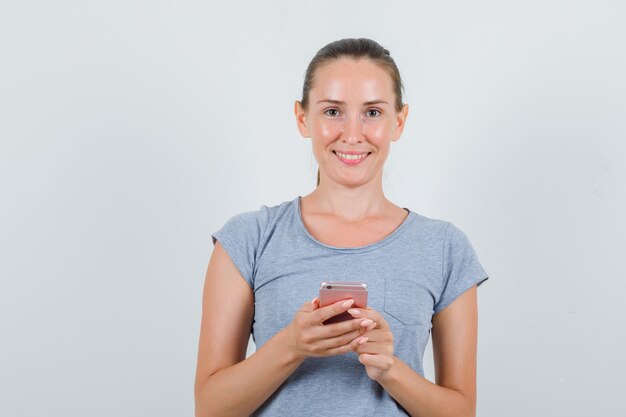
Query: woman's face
(351, 120)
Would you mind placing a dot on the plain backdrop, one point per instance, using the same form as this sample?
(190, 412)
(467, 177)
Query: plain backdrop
(131, 130)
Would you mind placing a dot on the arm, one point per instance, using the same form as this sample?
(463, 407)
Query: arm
(226, 384)
(454, 336)
(454, 349)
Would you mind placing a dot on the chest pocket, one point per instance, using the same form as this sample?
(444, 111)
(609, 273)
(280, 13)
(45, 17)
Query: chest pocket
(408, 302)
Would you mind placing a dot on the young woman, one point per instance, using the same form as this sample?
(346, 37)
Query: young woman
(421, 274)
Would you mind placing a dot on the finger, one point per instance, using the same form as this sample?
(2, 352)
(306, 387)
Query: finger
(372, 348)
(364, 313)
(368, 325)
(383, 362)
(309, 306)
(374, 336)
(370, 314)
(337, 341)
(324, 313)
(354, 345)
(367, 359)
(338, 350)
(337, 329)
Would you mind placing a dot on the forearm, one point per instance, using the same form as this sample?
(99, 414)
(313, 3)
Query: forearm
(421, 398)
(242, 388)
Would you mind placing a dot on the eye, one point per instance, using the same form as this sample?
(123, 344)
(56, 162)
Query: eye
(332, 112)
(373, 112)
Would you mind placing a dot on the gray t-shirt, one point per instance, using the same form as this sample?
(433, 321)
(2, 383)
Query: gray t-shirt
(411, 274)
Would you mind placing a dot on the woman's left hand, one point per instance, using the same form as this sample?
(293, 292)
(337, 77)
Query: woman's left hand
(375, 347)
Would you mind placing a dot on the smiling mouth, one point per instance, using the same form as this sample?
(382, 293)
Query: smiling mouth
(352, 159)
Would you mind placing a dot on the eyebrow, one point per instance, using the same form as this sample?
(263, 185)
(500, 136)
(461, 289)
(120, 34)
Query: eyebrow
(367, 103)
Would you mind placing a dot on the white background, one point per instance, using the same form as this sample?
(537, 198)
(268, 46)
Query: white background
(131, 130)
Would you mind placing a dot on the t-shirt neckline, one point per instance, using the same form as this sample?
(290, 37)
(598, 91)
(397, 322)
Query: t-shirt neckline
(371, 246)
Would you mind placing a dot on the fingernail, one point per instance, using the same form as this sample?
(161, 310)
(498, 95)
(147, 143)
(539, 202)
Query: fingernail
(365, 339)
(366, 322)
(347, 303)
(354, 311)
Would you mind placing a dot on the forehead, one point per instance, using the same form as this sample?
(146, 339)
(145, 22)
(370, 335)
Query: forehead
(344, 78)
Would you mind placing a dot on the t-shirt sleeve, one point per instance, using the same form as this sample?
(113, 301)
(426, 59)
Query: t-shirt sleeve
(461, 268)
(240, 236)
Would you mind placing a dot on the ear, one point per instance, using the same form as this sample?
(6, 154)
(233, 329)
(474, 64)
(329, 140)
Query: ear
(301, 119)
(400, 122)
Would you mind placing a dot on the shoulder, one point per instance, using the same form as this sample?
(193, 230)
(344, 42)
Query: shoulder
(245, 234)
(253, 224)
(445, 228)
(442, 237)
(431, 228)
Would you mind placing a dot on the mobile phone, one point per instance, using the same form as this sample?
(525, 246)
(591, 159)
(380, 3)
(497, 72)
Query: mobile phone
(334, 291)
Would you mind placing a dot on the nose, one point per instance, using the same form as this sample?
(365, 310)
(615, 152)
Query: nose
(352, 131)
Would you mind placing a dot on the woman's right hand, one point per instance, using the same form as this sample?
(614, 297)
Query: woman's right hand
(307, 336)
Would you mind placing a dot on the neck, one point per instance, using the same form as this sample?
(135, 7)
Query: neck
(348, 203)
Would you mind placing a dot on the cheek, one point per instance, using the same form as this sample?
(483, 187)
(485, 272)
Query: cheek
(377, 132)
(326, 130)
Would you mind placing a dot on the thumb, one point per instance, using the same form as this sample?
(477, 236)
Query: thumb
(309, 306)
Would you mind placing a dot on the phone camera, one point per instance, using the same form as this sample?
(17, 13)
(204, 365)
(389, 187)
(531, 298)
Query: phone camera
(329, 287)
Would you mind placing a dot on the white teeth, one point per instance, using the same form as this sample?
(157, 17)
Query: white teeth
(351, 157)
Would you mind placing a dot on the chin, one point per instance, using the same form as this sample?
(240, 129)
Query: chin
(352, 182)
